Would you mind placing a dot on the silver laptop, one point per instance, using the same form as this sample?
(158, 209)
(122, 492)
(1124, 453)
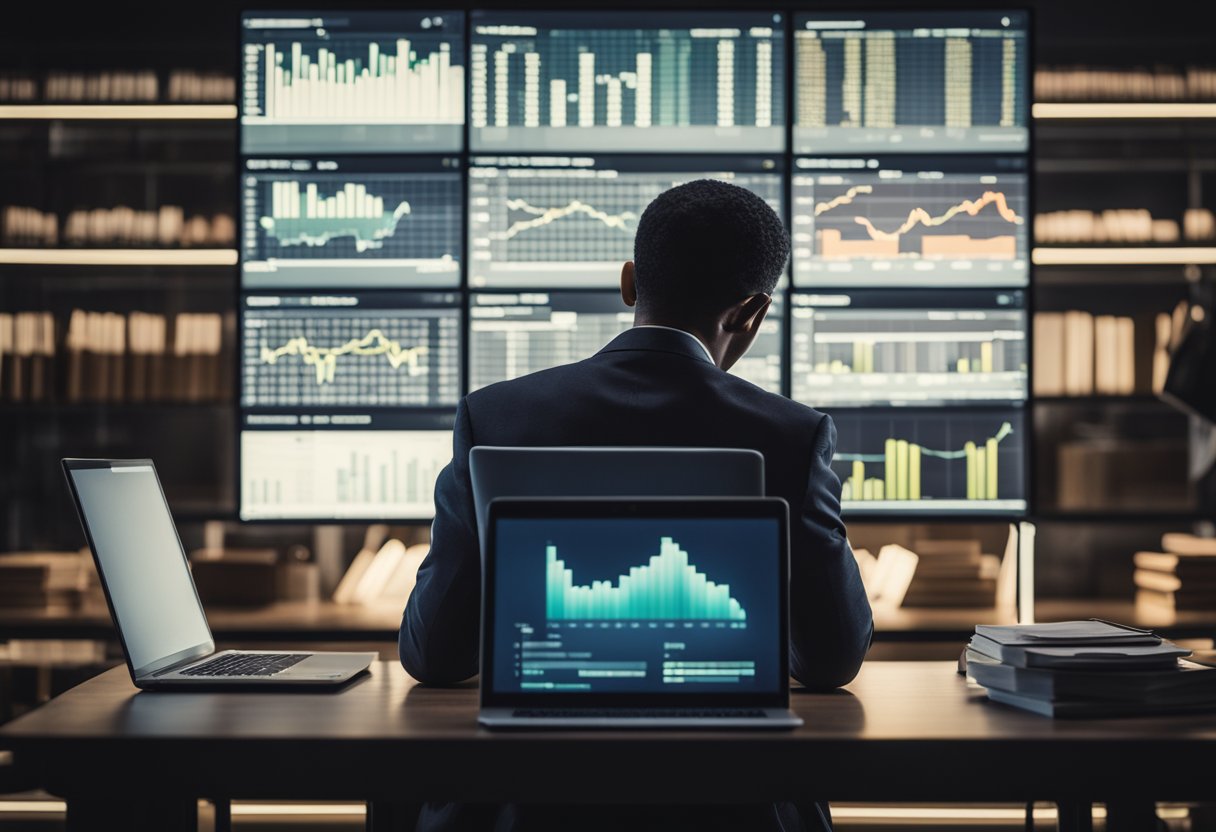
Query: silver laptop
(611, 472)
(152, 597)
(636, 613)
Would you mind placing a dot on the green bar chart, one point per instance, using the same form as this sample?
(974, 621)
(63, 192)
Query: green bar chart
(667, 587)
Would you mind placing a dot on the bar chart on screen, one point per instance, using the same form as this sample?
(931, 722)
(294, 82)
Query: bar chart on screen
(359, 81)
(931, 461)
(344, 474)
(910, 82)
(934, 346)
(667, 587)
(927, 225)
(354, 227)
(643, 80)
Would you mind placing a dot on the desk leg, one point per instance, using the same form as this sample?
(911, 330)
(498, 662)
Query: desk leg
(1131, 816)
(387, 816)
(145, 815)
(1074, 816)
(223, 815)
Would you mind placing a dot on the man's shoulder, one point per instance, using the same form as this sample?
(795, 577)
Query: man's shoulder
(554, 379)
(729, 391)
(769, 405)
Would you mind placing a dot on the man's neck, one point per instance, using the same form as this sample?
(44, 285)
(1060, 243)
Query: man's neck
(694, 331)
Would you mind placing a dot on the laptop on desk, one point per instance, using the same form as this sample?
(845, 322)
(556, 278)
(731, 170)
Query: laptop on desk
(151, 593)
(636, 613)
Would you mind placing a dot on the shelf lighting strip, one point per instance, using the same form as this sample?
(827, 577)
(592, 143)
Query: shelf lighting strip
(914, 814)
(118, 257)
(1113, 109)
(1146, 256)
(120, 112)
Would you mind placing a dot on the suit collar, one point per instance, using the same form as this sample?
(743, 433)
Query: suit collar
(659, 339)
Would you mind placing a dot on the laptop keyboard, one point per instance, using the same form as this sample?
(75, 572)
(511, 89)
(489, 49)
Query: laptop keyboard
(247, 664)
(639, 713)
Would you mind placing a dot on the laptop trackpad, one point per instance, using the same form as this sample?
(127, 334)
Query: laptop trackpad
(329, 665)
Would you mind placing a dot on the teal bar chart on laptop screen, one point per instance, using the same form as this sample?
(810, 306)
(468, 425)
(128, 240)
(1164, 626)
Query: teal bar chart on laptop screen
(645, 605)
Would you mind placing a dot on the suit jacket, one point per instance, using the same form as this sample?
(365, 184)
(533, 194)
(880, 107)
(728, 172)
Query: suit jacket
(649, 386)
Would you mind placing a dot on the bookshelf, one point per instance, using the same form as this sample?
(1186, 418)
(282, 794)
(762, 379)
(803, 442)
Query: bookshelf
(160, 144)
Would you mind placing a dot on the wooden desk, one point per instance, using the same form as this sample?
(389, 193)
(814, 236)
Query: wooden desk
(900, 732)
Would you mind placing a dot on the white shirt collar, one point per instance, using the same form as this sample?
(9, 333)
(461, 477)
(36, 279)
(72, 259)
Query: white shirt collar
(700, 344)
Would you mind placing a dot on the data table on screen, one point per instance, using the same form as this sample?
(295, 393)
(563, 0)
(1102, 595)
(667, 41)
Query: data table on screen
(515, 333)
(322, 465)
(398, 349)
(911, 222)
(960, 461)
(352, 82)
(568, 222)
(901, 347)
(904, 82)
(647, 81)
(355, 222)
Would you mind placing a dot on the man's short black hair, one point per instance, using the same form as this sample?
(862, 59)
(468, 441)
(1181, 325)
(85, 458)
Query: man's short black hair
(705, 245)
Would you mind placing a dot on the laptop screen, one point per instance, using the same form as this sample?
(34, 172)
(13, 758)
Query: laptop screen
(638, 605)
(141, 560)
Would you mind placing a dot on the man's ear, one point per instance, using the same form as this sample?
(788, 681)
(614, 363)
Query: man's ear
(629, 288)
(748, 314)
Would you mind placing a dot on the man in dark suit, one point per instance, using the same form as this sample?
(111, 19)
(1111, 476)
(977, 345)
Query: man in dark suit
(707, 257)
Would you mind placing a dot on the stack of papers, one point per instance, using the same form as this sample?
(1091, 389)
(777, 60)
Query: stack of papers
(1087, 668)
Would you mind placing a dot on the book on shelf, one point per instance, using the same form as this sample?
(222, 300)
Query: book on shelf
(384, 570)
(27, 356)
(42, 579)
(1103, 473)
(1180, 579)
(1080, 354)
(1121, 84)
(939, 573)
(168, 226)
(1188, 545)
(116, 357)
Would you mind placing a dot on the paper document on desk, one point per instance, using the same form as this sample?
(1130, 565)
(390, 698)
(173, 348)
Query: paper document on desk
(1066, 632)
(1182, 683)
(1094, 708)
(1080, 656)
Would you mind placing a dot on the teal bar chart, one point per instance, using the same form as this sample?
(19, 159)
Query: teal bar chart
(668, 587)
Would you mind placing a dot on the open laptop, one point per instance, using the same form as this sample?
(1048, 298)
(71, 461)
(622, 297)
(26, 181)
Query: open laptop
(611, 472)
(151, 593)
(639, 613)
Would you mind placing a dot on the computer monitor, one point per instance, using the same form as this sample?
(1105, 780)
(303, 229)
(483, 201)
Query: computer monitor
(611, 472)
(568, 222)
(924, 461)
(889, 347)
(352, 81)
(912, 81)
(911, 222)
(704, 81)
(319, 466)
(515, 333)
(357, 222)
